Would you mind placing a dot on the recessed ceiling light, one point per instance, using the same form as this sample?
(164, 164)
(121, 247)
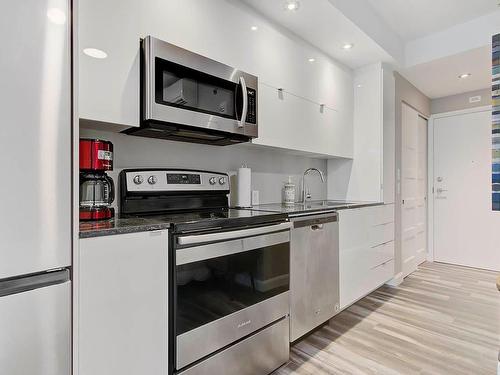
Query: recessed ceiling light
(292, 5)
(254, 28)
(359, 86)
(96, 53)
(348, 46)
(56, 16)
(311, 59)
(465, 75)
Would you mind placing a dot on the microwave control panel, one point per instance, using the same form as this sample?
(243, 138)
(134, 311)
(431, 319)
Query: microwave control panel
(252, 106)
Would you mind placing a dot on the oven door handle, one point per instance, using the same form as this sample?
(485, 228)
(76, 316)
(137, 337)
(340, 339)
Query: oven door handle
(244, 110)
(235, 234)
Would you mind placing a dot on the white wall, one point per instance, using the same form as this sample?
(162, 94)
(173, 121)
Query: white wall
(270, 168)
(360, 179)
(461, 101)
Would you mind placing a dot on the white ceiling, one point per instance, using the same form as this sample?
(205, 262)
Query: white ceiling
(413, 19)
(439, 78)
(321, 24)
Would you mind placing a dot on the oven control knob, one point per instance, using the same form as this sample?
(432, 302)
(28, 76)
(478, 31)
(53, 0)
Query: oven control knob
(138, 179)
(222, 180)
(212, 180)
(152, 180)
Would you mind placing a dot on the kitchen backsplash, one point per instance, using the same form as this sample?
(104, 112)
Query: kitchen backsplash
(270, 168)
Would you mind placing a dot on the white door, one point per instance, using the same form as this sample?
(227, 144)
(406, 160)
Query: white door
(465, 227)
(413, 189)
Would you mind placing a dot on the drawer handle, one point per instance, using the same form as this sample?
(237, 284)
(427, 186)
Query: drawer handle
(382, 244)
(383, 224)
(317, 227)
(381, 264)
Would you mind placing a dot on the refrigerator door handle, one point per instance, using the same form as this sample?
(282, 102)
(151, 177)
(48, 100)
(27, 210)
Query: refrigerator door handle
(33, 281)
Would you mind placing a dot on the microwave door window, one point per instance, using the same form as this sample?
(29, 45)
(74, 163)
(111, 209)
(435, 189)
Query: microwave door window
(183, 87)
(216, 100)
(180, 91)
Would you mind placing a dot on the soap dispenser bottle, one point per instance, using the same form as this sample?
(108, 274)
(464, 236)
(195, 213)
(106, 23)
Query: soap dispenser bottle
(289, 192)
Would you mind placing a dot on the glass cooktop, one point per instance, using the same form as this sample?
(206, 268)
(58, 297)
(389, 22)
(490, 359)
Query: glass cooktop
(218, 219)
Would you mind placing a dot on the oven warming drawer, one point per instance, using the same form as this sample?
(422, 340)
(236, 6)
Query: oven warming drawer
(202, 341)
(259, 354)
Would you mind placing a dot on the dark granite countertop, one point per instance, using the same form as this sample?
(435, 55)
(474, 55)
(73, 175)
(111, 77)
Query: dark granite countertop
(132, 224)
(312, 206)
(121, 226)
(149, 223)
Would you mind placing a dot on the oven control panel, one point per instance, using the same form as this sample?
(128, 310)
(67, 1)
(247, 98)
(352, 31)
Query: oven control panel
(175, 180)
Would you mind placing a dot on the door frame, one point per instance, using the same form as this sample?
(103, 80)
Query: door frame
(398, 277)
(430, 170)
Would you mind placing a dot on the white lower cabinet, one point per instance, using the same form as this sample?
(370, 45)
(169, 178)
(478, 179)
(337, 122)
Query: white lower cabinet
(366, 251)
(122, 304)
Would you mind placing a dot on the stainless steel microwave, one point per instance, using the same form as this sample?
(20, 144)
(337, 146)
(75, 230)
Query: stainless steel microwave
(188, 97)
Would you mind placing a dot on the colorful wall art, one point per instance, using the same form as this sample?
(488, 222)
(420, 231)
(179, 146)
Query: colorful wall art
(495, 87)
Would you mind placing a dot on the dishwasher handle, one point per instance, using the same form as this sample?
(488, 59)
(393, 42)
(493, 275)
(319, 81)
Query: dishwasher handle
(315, 222)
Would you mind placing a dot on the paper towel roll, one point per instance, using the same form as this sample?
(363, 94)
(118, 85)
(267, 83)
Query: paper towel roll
(244, 196)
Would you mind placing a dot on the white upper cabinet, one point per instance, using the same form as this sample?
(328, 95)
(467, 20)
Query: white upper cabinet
(109, 87)
(289, 122)
(221, 30)
(372, 167)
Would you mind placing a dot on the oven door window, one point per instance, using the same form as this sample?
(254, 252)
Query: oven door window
(180, 86)
(211, 289)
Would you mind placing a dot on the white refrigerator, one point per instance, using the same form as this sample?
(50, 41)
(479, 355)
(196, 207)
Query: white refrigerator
(35, 188)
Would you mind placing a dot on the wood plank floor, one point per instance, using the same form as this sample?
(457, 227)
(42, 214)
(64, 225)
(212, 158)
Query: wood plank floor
(442, 319)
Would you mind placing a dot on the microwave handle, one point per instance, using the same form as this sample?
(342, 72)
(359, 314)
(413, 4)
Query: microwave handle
(244, 110)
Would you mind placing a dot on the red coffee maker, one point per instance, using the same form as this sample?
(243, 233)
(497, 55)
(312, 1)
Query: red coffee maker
(97, 190)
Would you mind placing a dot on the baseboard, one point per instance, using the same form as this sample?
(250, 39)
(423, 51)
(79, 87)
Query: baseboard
(396, 280)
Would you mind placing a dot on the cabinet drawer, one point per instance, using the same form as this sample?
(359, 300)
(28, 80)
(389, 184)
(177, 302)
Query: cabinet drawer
(364, 259)
(383, 214)
(367, 226)
(381, 233)
(357, 284)
(380, 254)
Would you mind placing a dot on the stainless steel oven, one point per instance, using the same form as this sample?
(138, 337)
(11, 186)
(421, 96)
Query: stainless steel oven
(230, 286)
(188, 97)
(229, 272)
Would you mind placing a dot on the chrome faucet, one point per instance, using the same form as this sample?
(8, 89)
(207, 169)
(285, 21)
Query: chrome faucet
(306, 194)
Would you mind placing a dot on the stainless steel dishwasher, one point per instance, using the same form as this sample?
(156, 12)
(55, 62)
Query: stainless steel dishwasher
(314, 271)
